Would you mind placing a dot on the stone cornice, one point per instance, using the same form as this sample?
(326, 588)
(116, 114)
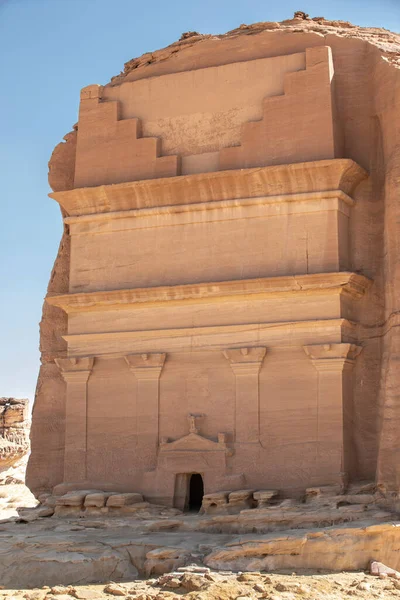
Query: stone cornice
(202, 212)
(219, 337)
(344, 282)
(212, 205)
(299, 178)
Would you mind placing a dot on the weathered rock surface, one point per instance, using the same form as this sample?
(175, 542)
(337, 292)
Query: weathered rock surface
(264, 497)
(119, 500)
(87, 545)
(67, 552)
(182, 553)
(312, 550)
(379, 569)
(367, 104)
(193, 44)
(62, 561)
(230, 512)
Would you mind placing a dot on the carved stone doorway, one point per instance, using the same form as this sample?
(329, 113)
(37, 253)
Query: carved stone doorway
(189, 491)
(196, 492)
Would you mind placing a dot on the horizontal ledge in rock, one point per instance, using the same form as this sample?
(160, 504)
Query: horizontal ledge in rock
(349, 283)
(316, 176)
(202, 212)
(217, 337)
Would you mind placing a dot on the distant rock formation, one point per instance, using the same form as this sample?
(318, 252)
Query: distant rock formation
(14, 432)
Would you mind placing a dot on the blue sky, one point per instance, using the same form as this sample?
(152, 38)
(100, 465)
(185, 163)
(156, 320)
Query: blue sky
(49, 50)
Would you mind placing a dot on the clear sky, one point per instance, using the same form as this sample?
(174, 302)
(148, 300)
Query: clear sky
(49, 50)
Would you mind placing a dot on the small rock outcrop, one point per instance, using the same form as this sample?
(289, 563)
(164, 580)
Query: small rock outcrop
(14, 433)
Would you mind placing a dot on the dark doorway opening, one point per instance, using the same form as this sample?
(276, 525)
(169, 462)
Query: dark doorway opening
(196, 491)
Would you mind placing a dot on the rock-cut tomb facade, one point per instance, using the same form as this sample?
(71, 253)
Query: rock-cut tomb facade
(220, 305)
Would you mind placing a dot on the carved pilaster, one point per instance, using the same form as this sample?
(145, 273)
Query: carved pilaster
(147, 370)
(75, 372)
(146, 366)
(246, 364)
(334, 364)
(333, 357)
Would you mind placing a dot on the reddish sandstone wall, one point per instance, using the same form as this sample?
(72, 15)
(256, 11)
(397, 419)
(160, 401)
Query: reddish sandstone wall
(46, 463)
(367, 99)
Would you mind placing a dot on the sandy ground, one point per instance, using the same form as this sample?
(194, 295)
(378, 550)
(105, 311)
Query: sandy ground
(226, 586)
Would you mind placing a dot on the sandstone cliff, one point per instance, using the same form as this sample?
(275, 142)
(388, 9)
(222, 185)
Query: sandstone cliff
(367, 90)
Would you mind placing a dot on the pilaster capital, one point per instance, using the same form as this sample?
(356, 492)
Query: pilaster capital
(76, 370)
(333, 357)
(245, 361)
(145, 366)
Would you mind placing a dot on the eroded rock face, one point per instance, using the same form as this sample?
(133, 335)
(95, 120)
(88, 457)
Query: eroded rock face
(14, 433)
(319, 550)
(62, 163)
(54, 551)
(192, 43)
(361, 90)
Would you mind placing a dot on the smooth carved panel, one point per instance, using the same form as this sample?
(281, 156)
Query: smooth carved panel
(196, 383)
(197, 339)
(110, 150)
(209, 251)
(296, 126)
(199, 111)
(112, 434)
(200, 462)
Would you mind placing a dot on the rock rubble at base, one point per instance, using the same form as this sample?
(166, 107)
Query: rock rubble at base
(234, 502)
(223, 585)
(237, 511)
(120, 500)
(81, 503)
(63, 552)
(97, 499)
(379, 569)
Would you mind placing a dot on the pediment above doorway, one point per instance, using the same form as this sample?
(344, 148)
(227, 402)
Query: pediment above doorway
(194, 442)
